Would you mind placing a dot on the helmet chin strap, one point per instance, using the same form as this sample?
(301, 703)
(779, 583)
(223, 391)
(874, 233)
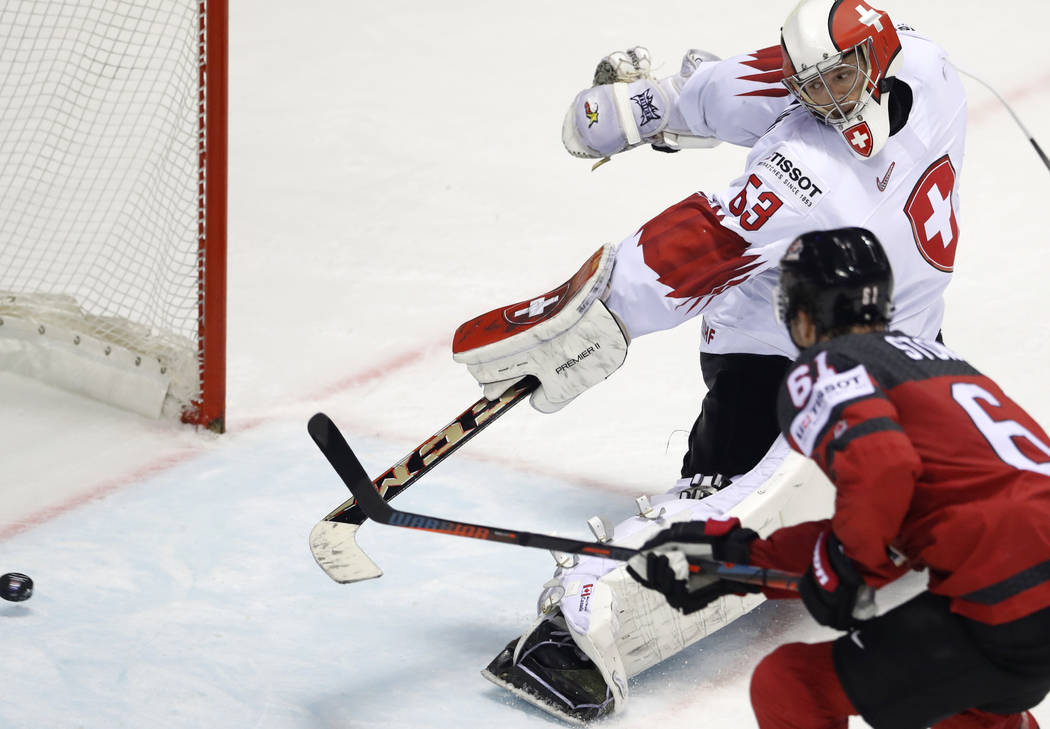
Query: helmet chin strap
(803, 326)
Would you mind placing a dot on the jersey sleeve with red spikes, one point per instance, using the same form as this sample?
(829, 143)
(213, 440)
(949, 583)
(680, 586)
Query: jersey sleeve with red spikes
(735, 100)
(715, 253)
(700, 249)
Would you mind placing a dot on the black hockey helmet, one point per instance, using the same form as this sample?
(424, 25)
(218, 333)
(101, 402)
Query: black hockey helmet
(840, 277)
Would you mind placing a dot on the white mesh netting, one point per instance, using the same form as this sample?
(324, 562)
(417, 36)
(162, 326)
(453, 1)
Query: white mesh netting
(99, 172)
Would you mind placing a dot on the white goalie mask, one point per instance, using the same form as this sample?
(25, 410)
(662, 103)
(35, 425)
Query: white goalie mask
(837, 58)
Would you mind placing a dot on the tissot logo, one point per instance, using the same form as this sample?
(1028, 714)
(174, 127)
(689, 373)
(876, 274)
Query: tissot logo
(795, 174)
(793, 181)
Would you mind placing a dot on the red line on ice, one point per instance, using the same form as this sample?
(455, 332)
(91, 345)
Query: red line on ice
(165, 462)
(98, 491)
(991, 106)
(379, 371)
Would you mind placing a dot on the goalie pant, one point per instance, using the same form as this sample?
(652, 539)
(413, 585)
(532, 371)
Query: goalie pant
(625, 628)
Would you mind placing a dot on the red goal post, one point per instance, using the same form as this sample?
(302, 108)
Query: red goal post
(113, 176)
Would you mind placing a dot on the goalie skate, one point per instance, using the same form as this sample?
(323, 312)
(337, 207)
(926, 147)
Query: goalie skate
(546, 669)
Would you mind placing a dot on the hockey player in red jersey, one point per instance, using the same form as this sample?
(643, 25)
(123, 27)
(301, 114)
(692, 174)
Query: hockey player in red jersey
(934, 468)
(849, 120)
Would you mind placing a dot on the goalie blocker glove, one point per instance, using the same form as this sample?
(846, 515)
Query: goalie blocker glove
(566, 338)
(665, 565)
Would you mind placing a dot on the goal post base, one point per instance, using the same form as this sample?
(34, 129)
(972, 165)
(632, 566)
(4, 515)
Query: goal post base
(80, 364)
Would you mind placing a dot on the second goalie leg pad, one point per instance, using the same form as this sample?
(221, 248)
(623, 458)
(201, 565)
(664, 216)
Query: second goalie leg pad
(631, 627)
(598, 626)
(652, 631)
(784, 488)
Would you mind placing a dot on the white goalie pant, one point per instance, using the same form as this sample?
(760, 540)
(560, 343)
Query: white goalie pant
(626, 628)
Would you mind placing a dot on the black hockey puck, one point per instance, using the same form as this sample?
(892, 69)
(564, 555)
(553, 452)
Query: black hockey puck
(16, 587)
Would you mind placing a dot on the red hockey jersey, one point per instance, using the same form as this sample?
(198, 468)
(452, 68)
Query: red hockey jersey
(931, 461)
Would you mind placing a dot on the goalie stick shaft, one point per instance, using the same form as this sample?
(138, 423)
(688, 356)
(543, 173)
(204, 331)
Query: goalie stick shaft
(433, 450)
(369, 499)
(333, 540)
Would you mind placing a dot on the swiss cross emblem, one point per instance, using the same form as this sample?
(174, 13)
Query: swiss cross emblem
(508, 321)
(854, 20)
(528, 312)
(932, 215)
(859, 137)
(536, 307)
(869, 16)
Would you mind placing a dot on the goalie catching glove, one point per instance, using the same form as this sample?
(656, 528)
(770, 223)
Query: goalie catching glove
(626, 107)
(664, 566)
(566, 338)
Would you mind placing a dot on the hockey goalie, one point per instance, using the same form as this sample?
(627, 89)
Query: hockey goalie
(851, 121)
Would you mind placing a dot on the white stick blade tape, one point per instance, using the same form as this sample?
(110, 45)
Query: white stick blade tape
(334, 546)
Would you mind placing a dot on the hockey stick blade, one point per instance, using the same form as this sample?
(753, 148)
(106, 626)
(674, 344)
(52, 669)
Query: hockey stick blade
(376, 508)
(334, 544)
(333, 540)
(335, 549)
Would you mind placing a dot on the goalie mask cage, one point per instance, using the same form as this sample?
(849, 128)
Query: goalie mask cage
(113, 156)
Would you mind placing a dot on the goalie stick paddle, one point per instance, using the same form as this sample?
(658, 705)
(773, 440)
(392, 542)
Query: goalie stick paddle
(333, 541)
(369, 499)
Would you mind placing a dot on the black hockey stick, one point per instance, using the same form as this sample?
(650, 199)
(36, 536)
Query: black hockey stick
(333, 541)
(338, 452)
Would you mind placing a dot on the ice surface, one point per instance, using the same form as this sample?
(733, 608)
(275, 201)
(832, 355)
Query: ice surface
(396, 169)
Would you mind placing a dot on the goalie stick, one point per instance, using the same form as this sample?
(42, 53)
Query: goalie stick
(371, 502)
(333, 541)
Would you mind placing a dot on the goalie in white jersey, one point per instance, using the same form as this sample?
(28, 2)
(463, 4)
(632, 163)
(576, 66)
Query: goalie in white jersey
(850, 122)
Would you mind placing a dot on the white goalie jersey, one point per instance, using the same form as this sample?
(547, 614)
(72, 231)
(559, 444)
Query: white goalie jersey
(715, 253)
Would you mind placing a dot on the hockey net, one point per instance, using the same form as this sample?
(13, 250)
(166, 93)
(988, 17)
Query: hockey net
(113, 182)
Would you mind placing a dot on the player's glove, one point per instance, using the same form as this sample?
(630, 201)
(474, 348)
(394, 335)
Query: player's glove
(626, 107)
(832, 589)
(664, 564)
